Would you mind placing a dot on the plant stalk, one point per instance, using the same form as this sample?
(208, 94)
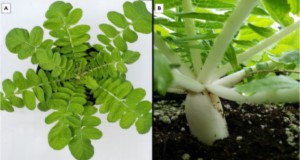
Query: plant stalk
(191, 31)
(232, 79)
(186, 83)
(259, 48)
(232, 25)
(282, 95)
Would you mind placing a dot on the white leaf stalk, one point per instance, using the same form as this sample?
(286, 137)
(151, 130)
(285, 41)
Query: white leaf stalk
(204, 110)
(191, 31)
(183, 82)
(232, 25)
(282, 95)
(236, 77)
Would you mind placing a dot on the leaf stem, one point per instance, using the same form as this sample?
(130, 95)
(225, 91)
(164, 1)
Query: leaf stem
(232, 25)
(171, 56)
(236, 77)
(190, 30)
(282, 95)
(259, 48)
(186, 83)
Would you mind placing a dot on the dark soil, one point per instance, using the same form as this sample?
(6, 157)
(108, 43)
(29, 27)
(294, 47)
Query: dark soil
(264, 132)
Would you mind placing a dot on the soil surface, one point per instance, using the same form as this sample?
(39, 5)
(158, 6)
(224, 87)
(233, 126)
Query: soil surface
(257, 132)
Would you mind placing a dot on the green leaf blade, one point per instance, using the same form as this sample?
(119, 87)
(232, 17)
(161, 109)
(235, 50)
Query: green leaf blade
(143, 124)
(59, 136)
(8, 87)
(120, 43)
(108, 30)
(81, 148)
(5, 105)
(127, 120)
(74, 16)
(279, 11)
(129, 35)
(130, 57)
(135, 96)
(91, 133)
(91, 121)
(53, 117)
(29, 99)
(15, 39)
(117, 19)
(268, 84)
(162, 73)
(80, 29)
(36, 36)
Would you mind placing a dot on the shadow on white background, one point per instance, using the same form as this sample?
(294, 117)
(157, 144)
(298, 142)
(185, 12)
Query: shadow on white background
(24, 133)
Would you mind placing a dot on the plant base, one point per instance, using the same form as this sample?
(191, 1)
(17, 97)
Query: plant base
(205, 117)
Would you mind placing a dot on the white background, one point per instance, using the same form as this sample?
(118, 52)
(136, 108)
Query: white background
(23, 133)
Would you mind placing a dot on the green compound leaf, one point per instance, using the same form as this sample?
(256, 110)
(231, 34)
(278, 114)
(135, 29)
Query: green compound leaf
(268, 84)
(20, 42)
(140, 16)
(117, 19)
(122, 102)
(15, 39)
(59, 136)
(60, 21)
(81, 148)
